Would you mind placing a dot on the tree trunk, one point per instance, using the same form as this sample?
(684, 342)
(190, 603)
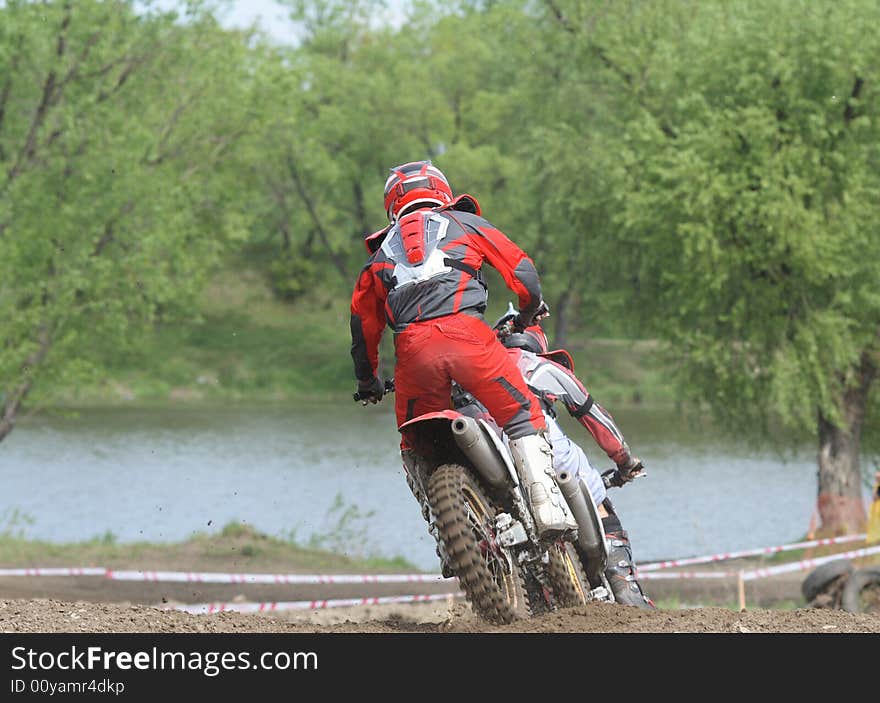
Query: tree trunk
(561, 313)
(11, 403)
(360, 212)
(7, 422)
(568, 299)
(840, 503)
(337, 260)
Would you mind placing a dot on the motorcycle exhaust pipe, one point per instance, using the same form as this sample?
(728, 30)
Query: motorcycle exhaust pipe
(469, 437)
(591, 538)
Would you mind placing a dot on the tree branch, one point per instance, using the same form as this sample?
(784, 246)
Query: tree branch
(12, 403)
(360, 209)
(110, 227)
(133, 63)
(168, 130)
(47, 99)
(615, 68)
(27, 149)
(280, 198)
(849, 112)
(612, 65)
(73, 71)
(560, 17)
(7, 87)
(322, 233)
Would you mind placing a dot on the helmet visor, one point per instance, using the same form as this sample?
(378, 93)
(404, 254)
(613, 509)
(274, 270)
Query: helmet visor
(413, 183)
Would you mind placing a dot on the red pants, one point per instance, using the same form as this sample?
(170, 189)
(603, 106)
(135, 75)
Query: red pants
(433, 353)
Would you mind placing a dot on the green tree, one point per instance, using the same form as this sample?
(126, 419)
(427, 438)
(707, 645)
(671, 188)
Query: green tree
(114, 131)
(748, 194)
(337, 111)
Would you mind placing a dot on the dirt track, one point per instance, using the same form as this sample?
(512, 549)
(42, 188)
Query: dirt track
(96, 604)
(59, 616)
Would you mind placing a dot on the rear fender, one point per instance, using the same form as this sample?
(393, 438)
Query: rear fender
(430, 436)
(449, 415)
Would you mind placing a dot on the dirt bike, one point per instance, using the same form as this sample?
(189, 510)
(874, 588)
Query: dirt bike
(462, 472)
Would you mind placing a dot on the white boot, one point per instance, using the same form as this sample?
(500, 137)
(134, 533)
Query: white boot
(533, 458)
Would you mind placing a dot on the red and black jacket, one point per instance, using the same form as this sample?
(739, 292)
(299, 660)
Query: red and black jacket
(428, 266)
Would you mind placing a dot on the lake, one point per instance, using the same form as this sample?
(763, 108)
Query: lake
(332, 472)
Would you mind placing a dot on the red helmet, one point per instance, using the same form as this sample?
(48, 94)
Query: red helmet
(416, 181)
(532, 339)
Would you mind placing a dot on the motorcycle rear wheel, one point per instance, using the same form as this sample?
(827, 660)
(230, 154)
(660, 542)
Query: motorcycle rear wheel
(465, 519)
(566, 575)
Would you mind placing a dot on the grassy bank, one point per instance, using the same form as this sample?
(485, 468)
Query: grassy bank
(236, 548)
(245, 344)
(241, 344)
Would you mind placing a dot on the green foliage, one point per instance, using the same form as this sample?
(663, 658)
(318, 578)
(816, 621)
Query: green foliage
(237, 529)
(705, 174)
(718, 162)
(236, 548)
(108, 537)
(751, 229)
(113, 141)
(343, 532)
(294, 277)
(13, 523)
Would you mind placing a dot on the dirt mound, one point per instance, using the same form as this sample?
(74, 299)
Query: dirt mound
(61, 616)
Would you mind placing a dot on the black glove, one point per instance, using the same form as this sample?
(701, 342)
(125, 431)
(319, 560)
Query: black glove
(630, 470)
(519, 324)
(542, 312)
(371, 390)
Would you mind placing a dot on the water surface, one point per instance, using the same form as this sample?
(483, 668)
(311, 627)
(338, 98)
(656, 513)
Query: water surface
(163, 475)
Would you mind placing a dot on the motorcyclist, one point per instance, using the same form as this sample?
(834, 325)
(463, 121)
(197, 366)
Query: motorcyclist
(423, 279)
(550, 375)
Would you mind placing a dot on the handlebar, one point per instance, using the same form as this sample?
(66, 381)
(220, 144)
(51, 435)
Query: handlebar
(510, 322)
(611, 478)
(389, 388)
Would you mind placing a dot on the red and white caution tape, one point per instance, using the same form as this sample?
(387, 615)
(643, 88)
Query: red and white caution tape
(209, 577)
(748, 553)
(761, 573)
(646, 571)
(209, 608)
(53, 571)
(807, 563)
(688, 575)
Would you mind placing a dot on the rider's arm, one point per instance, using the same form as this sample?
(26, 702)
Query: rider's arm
(605, 431)
(515, 267)
(367, 324)
(588, 412)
